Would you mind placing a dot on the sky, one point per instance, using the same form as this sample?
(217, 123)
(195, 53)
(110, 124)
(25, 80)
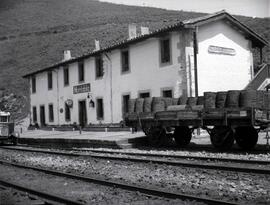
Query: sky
(252, 8)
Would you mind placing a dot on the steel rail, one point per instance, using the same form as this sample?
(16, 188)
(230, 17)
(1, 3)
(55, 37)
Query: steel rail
(185, 157)
(142, 189)
(40, 194)
(262, 162)
(157, 161)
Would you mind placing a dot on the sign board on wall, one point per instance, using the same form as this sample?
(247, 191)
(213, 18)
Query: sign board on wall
(221, 50)
(84, 88)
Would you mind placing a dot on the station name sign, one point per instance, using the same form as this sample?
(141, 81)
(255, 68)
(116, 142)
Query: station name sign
(84, 88)
(221, 50)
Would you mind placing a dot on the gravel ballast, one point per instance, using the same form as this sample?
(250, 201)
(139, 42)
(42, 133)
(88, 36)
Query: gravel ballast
(235, 187)
(83, 192)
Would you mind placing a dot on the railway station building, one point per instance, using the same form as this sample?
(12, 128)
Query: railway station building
(210, 53)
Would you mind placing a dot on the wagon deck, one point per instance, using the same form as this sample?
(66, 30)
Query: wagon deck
(205, 117)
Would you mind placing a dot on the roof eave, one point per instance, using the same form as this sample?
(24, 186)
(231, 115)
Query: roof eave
(256, 38)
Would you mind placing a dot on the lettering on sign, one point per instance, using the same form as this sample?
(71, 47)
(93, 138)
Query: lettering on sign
(84, 88)
(221, 50)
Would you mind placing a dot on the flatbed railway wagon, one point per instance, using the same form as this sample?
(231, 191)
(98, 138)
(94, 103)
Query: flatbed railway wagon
(227, 117)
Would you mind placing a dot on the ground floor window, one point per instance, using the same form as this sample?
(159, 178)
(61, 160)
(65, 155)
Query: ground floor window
(144, 94)
(167, 93)
(100, 111)
(125, 99)
(67, 112)
(51, 115)
(34, 114)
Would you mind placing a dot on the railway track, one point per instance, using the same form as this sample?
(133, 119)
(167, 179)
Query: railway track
(40, 194)
(145, 190)
(202, 162)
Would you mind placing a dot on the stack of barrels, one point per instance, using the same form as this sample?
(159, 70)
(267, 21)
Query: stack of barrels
(237, 99)
(210, 100)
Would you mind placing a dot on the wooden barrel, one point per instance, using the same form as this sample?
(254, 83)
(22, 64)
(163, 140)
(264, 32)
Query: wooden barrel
(221, 99)
(209, 99)
(232, 100)
(158, 104)
(192, 101)
(175, 101)
(131, 105)
(248, 98)
(139, 105)
(182, 100)
(168, 102)
(200, 100)
(147, 105)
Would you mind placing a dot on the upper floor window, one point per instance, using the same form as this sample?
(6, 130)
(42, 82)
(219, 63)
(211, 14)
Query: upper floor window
(81, 71)
(33, 84)
(99, 66)
(125, 60)
(66, 76)
(50, 80)
(165, 50)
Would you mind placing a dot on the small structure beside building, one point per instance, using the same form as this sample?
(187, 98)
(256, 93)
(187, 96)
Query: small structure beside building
(211, 53)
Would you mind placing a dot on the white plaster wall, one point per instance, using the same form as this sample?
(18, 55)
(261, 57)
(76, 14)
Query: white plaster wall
(99, 88)
(43, 96)
(218, 72)
(145, 72)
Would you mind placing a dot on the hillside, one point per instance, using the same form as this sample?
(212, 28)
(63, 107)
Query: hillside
(34, 33)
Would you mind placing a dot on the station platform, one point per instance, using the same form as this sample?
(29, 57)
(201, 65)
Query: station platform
(69, 139)
(117, 140)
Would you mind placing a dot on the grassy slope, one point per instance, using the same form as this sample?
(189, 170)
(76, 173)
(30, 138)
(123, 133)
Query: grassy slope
(33, 33)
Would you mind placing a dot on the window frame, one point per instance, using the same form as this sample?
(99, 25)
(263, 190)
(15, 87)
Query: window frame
(81, 71)
(50, 79)
(34, 84)
(98, 70)
(66, 70)
(69, 111)
(162, 90)
(122, 61)
(123, 103)
(161, 52)
(98, 109)
(143, 92)
(34, 114)
(51, 112)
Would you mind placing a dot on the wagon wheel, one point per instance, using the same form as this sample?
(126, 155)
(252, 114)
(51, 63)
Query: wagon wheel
(14, 140)
(146, 130)
(222, 137)
(182, 135)
(156, 136)
(246, 137)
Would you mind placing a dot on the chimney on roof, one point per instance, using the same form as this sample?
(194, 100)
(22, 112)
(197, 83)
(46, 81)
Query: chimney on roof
(144, 30)
(132, 32)
(97, 45)
(67, 55)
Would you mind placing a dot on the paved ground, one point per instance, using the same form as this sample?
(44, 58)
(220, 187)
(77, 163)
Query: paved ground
(113, 136)
(109, 136)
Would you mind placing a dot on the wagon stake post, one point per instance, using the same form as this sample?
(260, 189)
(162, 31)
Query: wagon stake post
(267, 139)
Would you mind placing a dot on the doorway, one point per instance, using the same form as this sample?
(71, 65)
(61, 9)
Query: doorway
(82, 113)
(42, 116)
